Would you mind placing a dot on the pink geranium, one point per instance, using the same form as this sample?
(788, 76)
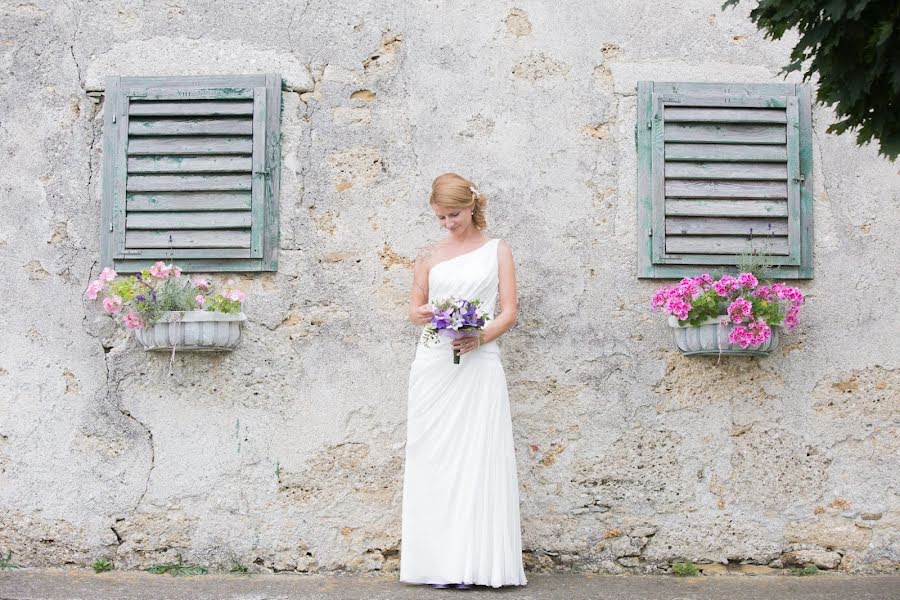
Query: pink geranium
(200, 283)
(131, 320)
(751, 308)
(112, 304)
(747, 280)
(160, 270)
(201, 299)
(93, 289)
(739, 310)
(235, 295)
(107, 275)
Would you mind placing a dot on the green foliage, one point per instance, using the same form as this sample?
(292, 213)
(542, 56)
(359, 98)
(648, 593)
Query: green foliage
(220, 303)
(807, 570)
(238, 568)
(7, 563)
(706, 306)
(758, 264)
(101, 565)
(124, 288)
(177, 568)
(171, 294)
(684, 569)
(854, 48)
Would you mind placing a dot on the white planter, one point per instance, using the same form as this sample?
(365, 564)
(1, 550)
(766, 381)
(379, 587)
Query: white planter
(193, 330)
(711, 337)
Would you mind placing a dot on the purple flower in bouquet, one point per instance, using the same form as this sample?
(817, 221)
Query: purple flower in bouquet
(455, 318)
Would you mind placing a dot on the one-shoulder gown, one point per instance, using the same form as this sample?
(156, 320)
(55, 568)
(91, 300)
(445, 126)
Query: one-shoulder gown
(460, 514)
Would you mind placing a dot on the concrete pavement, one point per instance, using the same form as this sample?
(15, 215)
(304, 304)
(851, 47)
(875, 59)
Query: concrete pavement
(82, 584)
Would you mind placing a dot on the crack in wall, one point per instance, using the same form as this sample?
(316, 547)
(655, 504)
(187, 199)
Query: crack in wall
(77, 16)
(290, 31)
(113, 394)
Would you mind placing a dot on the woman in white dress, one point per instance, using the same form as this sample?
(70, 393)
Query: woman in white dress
(460, 489)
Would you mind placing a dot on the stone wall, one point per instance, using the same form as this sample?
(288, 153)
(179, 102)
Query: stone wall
(288, 453)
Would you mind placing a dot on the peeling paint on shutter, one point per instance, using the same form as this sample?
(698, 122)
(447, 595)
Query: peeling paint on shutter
(720, 175)
(190, 172)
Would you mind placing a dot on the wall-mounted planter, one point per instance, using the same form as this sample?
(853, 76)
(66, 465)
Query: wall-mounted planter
(711, 338)
(199, 330)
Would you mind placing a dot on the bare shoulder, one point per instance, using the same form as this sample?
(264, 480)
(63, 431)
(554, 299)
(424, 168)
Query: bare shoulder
(426, 254)
(503, 249)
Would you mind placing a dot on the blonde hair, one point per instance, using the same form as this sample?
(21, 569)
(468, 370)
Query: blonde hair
(454, 191)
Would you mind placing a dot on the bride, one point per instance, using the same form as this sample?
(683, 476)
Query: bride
(460, 516)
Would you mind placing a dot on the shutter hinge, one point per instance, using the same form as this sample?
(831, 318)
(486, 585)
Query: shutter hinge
(261, 172)
(114, 117)
(130, 252)
(801, 178)
(110, 226)
(649, 233)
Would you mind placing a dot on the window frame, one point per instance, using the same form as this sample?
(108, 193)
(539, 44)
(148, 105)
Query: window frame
(265, 91)
(652, 97)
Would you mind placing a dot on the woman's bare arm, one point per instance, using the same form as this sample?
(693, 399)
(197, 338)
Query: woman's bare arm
(509, 306)
(418, 298)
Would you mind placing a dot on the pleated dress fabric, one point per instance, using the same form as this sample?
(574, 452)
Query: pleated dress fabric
(460, 509)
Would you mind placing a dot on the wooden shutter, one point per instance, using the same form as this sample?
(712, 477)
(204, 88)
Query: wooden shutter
(191, 172)
(724, 170)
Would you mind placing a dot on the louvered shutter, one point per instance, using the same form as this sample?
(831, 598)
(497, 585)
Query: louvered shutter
(724, 170)
(191, 170)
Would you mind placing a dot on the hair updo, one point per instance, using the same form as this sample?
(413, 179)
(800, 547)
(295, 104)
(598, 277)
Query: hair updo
(453, 191)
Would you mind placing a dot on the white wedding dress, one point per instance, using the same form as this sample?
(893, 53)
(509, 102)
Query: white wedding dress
(460, 488)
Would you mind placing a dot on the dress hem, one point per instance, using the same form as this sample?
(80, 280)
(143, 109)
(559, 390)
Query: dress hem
(426, 581)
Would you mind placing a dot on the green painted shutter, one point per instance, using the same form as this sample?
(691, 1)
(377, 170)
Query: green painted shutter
(723, 170)
(191, 172)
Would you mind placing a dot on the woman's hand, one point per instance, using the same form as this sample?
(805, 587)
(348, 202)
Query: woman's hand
(423, 314)
(468, 343)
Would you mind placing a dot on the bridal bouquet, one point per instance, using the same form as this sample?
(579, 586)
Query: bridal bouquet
(455, 318)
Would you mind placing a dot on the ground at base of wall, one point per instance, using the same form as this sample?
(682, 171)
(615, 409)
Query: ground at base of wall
(59, 584)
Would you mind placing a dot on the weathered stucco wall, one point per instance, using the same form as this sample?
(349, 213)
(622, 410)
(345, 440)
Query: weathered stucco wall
(288, 453)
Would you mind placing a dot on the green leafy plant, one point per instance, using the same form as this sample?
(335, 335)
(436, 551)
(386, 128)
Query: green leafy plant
(803, 571)
(6, 562)
(177, 568)
(101, 565)
(759, 264)
(852, 47)
(684, 569)
(238, 568)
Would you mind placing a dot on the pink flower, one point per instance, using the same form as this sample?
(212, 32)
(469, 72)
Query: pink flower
(725, 285)
(201, 299)
(660, 297)
(760, 331)
(747, 280)
(235, 295)
(93, 289)
(790, 322)
(112, 304)
(107, 275)
(763, 292)
(176, 271)
(160, 270)
(739, 335)
(678, 307)
(739, 310)
(200, 283)
(132, 320)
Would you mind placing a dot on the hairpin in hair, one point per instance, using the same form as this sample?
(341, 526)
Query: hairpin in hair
(474, 192)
